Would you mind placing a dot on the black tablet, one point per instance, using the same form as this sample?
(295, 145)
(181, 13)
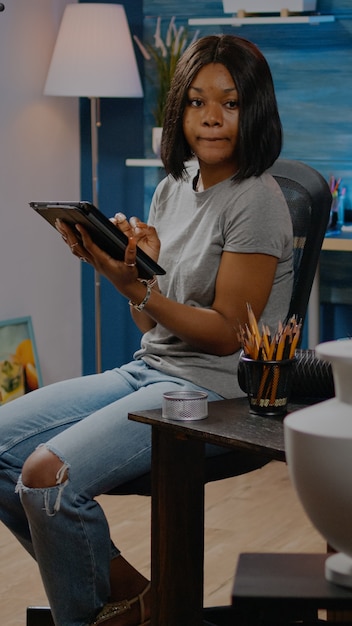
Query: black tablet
(102, 231)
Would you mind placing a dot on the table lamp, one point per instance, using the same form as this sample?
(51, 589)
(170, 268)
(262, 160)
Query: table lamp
(93, 57)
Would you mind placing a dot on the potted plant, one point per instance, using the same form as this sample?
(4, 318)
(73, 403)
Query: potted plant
(163, 55)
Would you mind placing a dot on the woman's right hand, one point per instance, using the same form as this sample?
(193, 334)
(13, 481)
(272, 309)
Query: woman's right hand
(145, 236)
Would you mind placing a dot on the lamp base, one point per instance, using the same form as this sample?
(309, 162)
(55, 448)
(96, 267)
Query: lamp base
(338, 569)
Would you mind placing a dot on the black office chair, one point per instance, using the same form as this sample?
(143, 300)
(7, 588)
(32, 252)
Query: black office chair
(309, 201)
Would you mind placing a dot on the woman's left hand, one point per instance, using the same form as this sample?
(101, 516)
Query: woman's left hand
(120, 273)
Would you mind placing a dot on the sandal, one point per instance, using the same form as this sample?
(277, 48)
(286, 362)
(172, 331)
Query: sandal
(113, 609)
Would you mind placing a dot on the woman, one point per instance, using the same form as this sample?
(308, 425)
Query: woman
(223, 233)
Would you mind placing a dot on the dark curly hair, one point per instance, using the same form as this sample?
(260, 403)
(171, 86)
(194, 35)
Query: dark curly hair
(260, 132)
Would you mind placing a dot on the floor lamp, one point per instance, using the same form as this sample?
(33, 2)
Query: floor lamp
(93, 57)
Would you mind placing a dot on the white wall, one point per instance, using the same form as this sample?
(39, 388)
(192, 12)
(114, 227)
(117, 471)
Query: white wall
(39, 160)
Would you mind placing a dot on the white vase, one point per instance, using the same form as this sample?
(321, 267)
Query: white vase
(318, 444)
(157, 132)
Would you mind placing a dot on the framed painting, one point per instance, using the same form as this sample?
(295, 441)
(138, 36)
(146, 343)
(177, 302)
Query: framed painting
(19, 365)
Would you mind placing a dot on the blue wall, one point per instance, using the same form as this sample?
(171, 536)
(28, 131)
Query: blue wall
(311, 67)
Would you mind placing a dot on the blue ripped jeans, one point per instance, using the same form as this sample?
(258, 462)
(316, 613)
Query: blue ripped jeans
(84, 422)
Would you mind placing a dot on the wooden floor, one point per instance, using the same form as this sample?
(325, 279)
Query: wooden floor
(257, 512)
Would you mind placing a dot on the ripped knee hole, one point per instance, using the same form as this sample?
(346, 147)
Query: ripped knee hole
(44, 469)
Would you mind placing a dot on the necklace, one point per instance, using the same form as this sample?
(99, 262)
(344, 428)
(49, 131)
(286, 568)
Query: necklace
(199, 183)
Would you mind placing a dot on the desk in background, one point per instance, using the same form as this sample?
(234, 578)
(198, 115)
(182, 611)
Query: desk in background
(334, 241)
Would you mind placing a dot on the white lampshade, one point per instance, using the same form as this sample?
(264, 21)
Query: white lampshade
(93, 54)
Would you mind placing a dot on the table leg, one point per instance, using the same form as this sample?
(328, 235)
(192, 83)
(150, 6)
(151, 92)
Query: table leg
(177, 530)
(314, 312)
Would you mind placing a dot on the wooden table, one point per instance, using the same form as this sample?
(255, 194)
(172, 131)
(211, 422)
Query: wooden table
(177, 553)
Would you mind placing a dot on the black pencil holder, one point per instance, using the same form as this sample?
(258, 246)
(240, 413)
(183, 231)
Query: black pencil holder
(268, 385)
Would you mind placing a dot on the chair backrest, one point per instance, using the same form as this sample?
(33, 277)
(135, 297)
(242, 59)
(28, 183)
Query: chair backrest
(309, 200)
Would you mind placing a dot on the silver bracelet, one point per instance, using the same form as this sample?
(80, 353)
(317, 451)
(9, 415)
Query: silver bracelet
(151, 281)
(140, 307)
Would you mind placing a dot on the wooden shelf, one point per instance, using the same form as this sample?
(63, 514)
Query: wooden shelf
(143, 163)
(252, 21)
(153, 163)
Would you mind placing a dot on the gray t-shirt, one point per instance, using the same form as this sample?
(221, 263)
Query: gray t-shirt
(195, 228)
